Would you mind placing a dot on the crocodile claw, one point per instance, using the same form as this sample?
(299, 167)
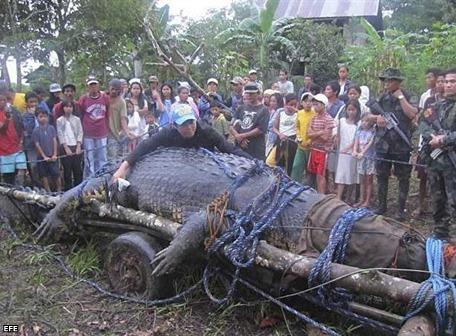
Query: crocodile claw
(48, 226)
(166, 261)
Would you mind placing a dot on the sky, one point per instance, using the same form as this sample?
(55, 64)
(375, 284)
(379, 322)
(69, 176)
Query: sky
(177, 7)
(193, 8)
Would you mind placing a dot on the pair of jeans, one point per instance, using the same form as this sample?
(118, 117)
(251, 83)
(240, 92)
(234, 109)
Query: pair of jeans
(94, 155)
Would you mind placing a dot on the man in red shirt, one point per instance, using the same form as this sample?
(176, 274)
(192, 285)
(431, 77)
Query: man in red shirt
(94, 114)
(12, 158)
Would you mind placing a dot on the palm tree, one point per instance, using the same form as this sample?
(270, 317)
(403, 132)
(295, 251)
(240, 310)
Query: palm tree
(261, 32)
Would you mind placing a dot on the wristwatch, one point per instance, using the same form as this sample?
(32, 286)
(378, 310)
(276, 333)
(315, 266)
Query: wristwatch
(400, 97)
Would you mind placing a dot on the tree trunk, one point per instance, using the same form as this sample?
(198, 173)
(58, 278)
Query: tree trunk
(5, 72)
(62, 72)
(18, 71)
(137, 64)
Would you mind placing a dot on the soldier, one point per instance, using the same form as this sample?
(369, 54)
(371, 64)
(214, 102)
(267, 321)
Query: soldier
(440, 129)
(389, 144)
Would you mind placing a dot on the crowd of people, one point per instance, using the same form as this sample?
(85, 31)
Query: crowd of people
(329, 137)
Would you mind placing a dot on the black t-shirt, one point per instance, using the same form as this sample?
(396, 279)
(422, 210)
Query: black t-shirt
(247, 118)
(169, 137)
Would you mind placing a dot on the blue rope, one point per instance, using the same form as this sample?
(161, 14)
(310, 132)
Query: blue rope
(240, 240)
(436, 288)
(335, 252)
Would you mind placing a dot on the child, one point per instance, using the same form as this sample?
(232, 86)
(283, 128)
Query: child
(30, 123)
(45, 139)
(284, 127)
(321, 134)
(69, 131)
(363, 150)
(346, 173)
(152, 126)
(302, 153)
(133, 123)
(12, 157)
(219, 122)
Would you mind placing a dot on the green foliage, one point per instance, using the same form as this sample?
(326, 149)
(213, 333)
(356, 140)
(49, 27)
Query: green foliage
(412, 53)
(86, 260)
(320, 46)
(418, 15)
(261, 33)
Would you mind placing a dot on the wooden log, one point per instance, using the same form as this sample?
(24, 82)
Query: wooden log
(30, 196)
(420, 325)
(363, 282)
(163, 228)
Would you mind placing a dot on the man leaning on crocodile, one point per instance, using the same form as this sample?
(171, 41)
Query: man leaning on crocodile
(179, 184)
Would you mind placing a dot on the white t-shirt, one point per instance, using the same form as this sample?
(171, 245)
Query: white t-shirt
(287, 123)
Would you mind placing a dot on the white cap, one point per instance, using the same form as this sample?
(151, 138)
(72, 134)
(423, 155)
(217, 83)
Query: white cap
(134, 80)
(321, 98)
(212, 80)
(253, 71)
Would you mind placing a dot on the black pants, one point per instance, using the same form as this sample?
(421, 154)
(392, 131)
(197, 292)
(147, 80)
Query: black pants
(72, 168)
(402, 172)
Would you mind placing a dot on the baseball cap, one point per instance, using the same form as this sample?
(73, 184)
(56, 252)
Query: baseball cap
(69, 85)
(237, 80)
(153, 79)
(251, 87)
(307, 94)
(182, 113)
(134, 80)
(91, 80)
(321, 98)
(253, 71)
(55, 87)
(212, 80)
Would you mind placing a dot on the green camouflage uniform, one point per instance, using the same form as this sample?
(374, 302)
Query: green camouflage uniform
(442, 173)
(389, 145)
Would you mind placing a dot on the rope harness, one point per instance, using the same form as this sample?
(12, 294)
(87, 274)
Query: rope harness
(436, 289)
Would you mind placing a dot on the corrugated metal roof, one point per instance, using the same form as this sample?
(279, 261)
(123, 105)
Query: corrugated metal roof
(313, 9)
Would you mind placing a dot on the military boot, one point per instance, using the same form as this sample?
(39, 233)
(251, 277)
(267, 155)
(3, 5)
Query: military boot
(402, 199)
(382, 196)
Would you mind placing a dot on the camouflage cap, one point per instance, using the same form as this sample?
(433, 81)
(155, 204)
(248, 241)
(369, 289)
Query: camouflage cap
(391, 73)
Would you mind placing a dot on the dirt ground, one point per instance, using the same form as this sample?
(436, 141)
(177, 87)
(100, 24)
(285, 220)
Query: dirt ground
(39, 297)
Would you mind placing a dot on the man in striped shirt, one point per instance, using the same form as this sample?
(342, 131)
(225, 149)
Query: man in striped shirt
(321, 135)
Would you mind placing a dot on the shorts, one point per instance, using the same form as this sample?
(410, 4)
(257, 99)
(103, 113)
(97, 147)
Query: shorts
(13, 162)
(317, 162)
(48, 169)
(366, 166)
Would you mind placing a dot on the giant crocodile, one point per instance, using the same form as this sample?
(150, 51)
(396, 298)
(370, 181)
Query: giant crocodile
(180, 183)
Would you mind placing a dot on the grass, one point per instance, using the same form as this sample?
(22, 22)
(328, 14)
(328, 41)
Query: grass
(85, 261)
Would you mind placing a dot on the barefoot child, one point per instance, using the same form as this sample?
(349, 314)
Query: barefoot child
(346, 174)
(321, 134)
(363, 150)
(45, 139)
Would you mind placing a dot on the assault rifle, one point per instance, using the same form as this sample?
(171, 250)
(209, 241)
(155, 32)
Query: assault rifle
(390, 118)
(435, 153)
